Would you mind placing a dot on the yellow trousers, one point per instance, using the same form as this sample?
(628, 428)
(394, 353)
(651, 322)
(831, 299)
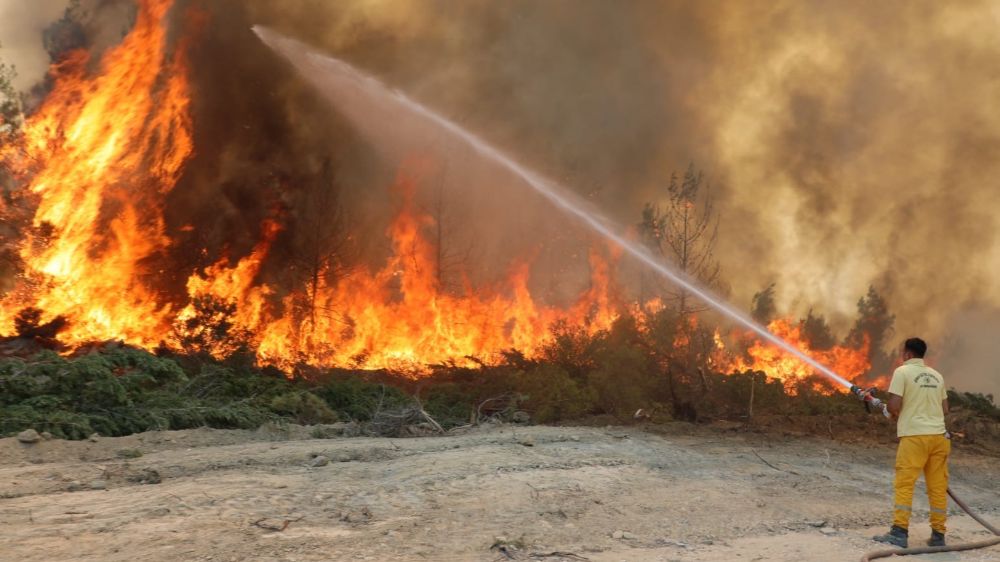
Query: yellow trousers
(927, 454)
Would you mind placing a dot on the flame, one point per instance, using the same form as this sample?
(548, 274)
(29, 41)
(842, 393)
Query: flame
(243, 302)
(398, 317)
(780, 365)
(100, 154)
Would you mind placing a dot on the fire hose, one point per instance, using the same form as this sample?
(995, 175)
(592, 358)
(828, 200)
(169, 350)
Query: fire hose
(872, 403)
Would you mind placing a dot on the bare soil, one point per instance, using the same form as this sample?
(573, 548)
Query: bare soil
(663, 493)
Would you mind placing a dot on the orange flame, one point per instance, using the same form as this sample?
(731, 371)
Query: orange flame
(780, 365)
(100, 153)
(399, 318)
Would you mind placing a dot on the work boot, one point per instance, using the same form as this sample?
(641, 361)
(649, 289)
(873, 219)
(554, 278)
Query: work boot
(897, 536)
(937, 539)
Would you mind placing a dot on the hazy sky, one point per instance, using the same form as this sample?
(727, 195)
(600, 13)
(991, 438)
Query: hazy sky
(21, 24)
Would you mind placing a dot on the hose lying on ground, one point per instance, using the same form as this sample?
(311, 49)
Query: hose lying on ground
(950, 548)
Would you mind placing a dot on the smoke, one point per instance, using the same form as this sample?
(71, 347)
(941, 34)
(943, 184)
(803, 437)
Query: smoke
(850, 143)
(967, 355)
(21, 25)
(860, 138)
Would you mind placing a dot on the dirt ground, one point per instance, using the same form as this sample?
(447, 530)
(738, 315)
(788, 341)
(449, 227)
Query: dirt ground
(663, 493)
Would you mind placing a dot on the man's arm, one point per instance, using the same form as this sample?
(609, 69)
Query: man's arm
(896, 404)
(897, 386)
(944, 400)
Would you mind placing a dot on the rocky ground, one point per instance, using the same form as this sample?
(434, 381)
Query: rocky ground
(662, 493)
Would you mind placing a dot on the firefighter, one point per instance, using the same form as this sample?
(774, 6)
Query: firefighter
(918, 401)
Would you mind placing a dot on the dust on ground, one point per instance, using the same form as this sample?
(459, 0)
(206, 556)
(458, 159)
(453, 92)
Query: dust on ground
(664, 493)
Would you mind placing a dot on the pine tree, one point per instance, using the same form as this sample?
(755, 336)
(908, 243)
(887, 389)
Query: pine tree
(11, 116)
(684, 232)
(875, 323)
(763, 309)
(817, 331)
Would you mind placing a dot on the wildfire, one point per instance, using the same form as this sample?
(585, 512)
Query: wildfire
(778, 364)
(399, 317)
(98, 156)
(94, 164)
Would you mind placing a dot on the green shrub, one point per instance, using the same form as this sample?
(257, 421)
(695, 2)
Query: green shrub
(216, 381)
(622, 382)
(979, 403)
(450, 404)
(573, 350)
(816, 396)
(304, 407)
(58, 422)
(356, 399)
(121, 391)
(551, 394)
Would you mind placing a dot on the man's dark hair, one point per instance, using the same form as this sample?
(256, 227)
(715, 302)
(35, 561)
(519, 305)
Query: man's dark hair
(916, 346)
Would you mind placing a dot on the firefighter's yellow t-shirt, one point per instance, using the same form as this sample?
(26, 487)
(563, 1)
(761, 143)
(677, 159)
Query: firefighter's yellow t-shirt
(923, 391)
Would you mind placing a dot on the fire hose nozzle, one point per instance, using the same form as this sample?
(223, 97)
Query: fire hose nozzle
(885, 408)
(868, 397)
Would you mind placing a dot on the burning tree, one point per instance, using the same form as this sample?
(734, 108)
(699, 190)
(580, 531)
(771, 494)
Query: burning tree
(10, 123)
(96, 164)
(210, 328)
(811, 334)
(450, 260)
(817, 332)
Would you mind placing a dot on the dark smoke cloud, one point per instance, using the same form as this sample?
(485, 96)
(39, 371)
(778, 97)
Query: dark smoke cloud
(860, 137)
